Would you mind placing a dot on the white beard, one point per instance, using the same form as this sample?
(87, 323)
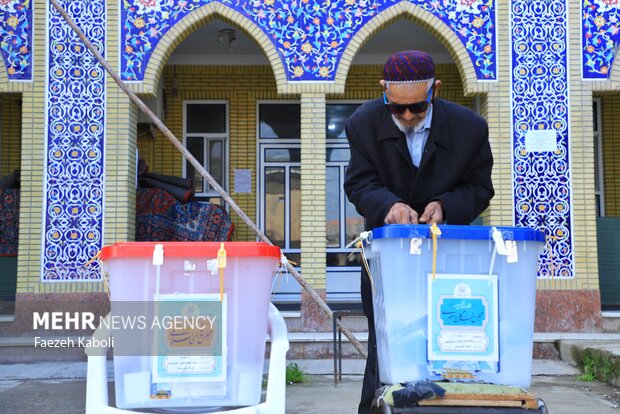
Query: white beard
(405, 130)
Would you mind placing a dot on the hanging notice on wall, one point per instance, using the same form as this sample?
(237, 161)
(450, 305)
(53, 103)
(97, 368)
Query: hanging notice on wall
(463, 323)
(544, 140)
(243, 181)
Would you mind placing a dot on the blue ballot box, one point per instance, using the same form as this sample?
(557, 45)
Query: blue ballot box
(456, 305)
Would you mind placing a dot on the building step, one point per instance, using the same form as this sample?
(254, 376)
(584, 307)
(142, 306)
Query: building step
(320, 345)
(18, 349)
(611, 321)
(602, 354)
(356, 323)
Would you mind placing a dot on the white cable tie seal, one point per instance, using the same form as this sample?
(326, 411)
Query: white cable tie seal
(499, 241)
(283, 267)
(365, 236)
(158, 255)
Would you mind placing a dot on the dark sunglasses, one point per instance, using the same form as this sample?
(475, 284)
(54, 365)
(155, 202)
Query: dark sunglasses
(414, 108)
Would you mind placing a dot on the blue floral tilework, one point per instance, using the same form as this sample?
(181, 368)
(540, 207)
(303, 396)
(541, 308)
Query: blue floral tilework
(600, 37)
(16, 38)
(541, 175)
(309, 35)
(74, 182)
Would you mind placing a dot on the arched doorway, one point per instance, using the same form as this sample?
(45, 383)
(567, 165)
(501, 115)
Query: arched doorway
(10, 164)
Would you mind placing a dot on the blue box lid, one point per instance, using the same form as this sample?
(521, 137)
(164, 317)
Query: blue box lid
(422, 231)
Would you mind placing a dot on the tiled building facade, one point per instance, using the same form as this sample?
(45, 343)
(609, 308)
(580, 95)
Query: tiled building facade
(542, 75)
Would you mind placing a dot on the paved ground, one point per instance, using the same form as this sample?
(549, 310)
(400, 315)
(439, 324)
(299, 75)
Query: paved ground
(59, 388)
(562, 395)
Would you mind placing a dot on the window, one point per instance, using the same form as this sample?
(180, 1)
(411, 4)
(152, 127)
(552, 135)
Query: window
(206, 138)
(279, 134)
(598, 158)
(343, 222)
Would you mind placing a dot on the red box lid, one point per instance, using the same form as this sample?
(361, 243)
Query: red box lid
(189, 249)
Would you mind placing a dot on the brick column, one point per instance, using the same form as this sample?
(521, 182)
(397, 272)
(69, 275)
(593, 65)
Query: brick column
(496, 108)
(313, 234)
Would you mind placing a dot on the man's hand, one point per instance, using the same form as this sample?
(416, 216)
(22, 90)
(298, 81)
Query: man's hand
(401, 213)
(433, 213)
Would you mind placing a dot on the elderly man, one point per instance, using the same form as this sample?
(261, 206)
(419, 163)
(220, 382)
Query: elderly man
(415, 159)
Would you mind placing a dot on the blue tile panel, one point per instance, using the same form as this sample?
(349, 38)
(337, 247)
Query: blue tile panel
(600, 37)
(16, 38)
(542, 180)
(74, 182)
(309, 35)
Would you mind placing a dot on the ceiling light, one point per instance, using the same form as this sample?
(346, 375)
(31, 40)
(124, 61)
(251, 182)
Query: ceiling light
(227, 35)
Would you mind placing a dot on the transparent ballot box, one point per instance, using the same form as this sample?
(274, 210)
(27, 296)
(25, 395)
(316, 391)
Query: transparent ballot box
(189, 321)
(457, 304)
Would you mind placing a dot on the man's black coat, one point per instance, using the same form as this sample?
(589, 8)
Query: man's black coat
(455, 167)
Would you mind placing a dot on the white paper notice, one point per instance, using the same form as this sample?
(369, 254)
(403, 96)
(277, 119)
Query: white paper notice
(463, 341)
(243, 181)
(544, 140)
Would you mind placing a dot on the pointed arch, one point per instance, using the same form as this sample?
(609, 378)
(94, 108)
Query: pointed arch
(5, 85)
(189, 24)
(614, 75)
(426, 20)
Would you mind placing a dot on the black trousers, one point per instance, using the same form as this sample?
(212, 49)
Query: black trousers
(371, 373)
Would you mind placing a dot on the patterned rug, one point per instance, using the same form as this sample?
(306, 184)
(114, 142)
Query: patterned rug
(9, 221)
(161, 217)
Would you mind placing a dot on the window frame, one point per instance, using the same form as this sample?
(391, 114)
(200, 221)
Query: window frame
(599, 172)
(340, 143)
(263, 144)
(208, 138)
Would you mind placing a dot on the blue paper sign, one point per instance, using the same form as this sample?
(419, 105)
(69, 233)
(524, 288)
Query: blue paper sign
(463, 323)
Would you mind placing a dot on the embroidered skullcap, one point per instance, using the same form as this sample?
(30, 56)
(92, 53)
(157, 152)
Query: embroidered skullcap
(410, 66)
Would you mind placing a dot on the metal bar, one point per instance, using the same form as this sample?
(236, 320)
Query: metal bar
(335, 350)
(340, 350)
(205, 174)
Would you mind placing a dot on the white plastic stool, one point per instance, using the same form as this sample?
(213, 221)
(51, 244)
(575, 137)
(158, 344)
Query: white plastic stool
(97, 382)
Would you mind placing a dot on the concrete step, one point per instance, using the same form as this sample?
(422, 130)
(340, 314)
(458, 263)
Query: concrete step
(611, 321)
(320, 345)
(354, 323)
(599, 356)
(17, 349)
